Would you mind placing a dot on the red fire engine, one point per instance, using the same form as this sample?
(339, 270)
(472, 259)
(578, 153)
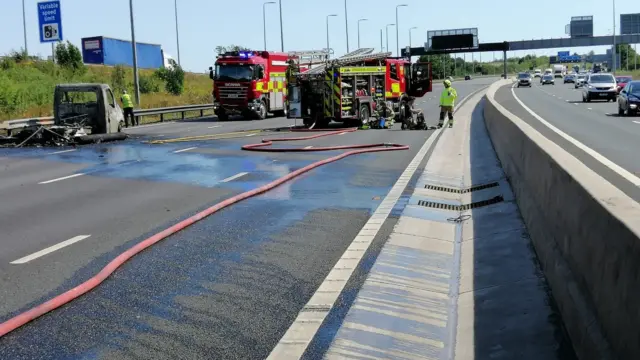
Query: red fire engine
(253, 83)
(347, 89)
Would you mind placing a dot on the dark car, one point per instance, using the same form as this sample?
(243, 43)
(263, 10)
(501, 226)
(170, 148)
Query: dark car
(467, 77)
(629, 99)
(621, 82)
(569, 78)
(547, 79)
(524, 79)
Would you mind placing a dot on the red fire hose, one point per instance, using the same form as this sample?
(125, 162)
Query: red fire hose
(66, 297)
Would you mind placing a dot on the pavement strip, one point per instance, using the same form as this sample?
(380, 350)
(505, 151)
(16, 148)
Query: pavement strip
(238, 175)
(308, 322)
(183, 150)
(49, 250)
(62, 178)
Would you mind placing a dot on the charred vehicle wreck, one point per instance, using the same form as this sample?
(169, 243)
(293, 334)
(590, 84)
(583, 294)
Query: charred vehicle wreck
(83, 114)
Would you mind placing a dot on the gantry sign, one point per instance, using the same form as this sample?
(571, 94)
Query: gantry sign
(454, 39)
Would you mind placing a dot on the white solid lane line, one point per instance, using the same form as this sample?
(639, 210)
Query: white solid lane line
(62, 178)
(235, 176)
(61, 151)
(50, 249)
(182, 150)
(603, 160)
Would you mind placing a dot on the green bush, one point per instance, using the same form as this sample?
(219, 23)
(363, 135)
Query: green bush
(149, 84)
(173, 78)
(69, 57)
(118, 83)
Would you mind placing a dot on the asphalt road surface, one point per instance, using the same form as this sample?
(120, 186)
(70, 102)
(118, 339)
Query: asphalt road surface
(227, 287)
(609, 144)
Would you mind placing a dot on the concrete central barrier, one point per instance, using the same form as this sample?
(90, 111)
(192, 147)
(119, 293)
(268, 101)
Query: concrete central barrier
(586, 233)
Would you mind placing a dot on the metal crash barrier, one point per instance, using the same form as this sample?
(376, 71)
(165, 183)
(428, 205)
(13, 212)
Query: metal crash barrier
(12, 125)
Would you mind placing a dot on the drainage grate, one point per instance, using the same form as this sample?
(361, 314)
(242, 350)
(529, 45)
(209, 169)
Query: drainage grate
(463, 207)
(461, 191)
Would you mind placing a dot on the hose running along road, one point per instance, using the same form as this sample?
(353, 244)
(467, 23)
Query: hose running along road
(90, 284)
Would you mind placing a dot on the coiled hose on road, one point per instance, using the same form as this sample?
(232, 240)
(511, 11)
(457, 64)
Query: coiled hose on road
(90, 284)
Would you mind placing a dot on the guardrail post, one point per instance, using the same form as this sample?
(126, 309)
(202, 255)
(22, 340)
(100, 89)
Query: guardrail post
(201, 113)
(161, 117)
(183, 115)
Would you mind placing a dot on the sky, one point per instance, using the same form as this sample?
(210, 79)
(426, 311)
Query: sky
(205, 24)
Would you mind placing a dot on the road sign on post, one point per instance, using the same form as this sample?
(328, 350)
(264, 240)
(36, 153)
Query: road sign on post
(50, 21)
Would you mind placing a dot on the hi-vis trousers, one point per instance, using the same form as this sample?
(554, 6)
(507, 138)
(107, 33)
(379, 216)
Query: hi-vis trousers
(446, 110)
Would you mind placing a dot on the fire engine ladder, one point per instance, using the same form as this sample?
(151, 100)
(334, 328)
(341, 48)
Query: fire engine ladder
(310, 56)
(361, 51)
(346, 60)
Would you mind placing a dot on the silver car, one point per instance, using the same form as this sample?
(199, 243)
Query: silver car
(524, 79)
(548, 79)
(579, 80)
(599, 86)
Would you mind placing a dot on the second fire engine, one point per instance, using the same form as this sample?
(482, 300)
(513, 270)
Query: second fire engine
(349, 89)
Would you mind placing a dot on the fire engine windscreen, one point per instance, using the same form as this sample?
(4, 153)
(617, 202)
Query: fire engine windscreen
(234, 72)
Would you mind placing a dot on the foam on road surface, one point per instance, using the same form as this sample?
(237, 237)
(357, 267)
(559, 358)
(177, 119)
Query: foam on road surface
(604, 137)
(227, 287)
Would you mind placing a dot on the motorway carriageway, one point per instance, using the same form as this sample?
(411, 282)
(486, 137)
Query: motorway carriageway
(230, 285)
(593, 131)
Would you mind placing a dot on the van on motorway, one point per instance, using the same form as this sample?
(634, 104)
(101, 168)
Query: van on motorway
(537, 73)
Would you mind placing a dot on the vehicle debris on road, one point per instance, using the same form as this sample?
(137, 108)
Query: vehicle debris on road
(83, 114)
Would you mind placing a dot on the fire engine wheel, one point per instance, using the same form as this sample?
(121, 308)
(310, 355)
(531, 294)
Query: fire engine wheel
(262, 111)
(364, 115)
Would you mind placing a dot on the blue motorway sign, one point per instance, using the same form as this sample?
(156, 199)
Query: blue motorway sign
(50, 21)
(570, 59)
(563, 53)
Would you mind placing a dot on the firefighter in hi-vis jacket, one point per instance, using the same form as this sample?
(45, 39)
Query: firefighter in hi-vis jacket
(447, 102)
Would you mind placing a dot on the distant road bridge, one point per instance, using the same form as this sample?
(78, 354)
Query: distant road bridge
(531, 45)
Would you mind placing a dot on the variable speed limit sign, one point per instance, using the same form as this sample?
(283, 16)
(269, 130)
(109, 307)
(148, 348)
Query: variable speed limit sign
(50, 21)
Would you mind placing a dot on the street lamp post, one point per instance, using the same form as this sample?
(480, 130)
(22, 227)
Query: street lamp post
(410, 42)
(175, 4)
(381, 45)
(264, 22)
(328, 48)
(346, 24)
(387, 34)
(359, 21)
(136, 83)
(24, 25)
(614, 50)
(281, 29)
(397, 27)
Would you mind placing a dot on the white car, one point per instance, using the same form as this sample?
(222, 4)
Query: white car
(579, 81)
(537, 73)
(601, 86)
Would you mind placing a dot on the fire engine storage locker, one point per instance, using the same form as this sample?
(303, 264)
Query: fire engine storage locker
(102, 50)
